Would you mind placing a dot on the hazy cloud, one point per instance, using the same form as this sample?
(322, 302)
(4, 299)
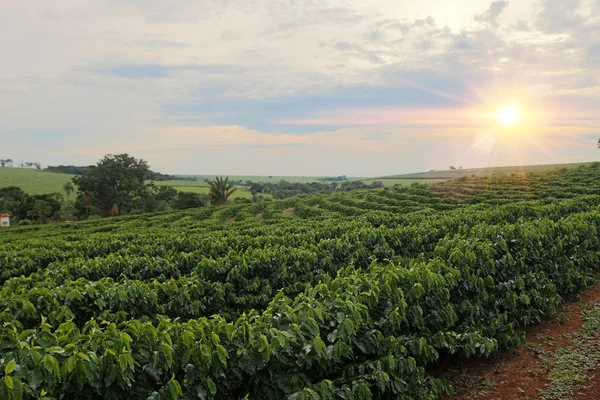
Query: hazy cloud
(214, 79)
(492, 13)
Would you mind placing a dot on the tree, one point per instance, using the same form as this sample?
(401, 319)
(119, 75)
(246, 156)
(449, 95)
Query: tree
(190, 200)
(40, 209)
(68, 188)
(451, 167)
(114, 184)
(9, 162)
(11, 199)
(2, 163)
(220, 190)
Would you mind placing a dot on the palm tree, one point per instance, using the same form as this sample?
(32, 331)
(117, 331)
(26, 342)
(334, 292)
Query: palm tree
(68, 188)
(220, 190)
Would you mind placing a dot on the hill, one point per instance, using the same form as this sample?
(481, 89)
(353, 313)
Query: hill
(34, 181)
(345, 295)
(439, 176)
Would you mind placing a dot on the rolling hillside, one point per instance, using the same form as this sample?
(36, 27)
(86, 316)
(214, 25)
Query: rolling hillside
(355, 295)
(33, 181)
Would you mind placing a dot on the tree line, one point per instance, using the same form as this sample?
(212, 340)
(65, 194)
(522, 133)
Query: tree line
(116, 185)
(121, 184)
(8, 162)
(285, 189)
(84, 169)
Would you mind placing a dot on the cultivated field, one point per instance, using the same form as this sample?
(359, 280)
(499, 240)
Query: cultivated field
(353, 295)
(33, 181)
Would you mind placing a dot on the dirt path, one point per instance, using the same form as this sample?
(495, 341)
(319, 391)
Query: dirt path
(560, 361)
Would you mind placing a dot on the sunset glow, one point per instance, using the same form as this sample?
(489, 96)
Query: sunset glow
(509, 115)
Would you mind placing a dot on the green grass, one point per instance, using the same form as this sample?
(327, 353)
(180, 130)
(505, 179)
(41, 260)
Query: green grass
(205, 190)
(573, 366)
(272, 178)
(181, 183)
(33, 181)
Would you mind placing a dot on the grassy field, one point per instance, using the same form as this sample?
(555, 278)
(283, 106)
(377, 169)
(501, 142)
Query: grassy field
(33, 181)
(205, 190)
(272, 178)
(181, 183)
(198, 187)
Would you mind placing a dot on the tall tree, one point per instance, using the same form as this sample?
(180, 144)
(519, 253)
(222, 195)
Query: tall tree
(68, 188)
(115, 183)
(2, 163)
(9, 162)
(40, 209)
(11, 198)
(220, 190)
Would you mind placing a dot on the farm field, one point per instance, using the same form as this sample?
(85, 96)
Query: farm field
(201, 187)
(451, 174)
(406, 182)
(33, 181)
(272, 178)
(354, 295)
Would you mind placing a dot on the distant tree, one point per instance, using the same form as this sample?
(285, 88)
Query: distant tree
(28, 164)
(83, 206)
(21, 165)
(451, 167)
(37, 165)
(68, 188)
(166, 193)
(186, 200)
(11, 199)
(2, 163)
(220, 190)
(599, 143)
(9, 162)
(28, 209)
(115, 183)
(40, 209)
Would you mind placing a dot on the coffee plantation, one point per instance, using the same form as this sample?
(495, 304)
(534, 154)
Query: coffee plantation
(352, 295)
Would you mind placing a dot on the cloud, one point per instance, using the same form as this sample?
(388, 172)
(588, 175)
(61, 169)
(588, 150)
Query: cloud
(493, 12)
(301, 79)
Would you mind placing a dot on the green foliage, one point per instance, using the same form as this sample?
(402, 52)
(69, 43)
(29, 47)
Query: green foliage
(352, 295)
(116, 182)
(220, 190)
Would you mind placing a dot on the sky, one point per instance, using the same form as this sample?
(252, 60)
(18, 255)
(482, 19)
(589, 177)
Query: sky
(300, 87)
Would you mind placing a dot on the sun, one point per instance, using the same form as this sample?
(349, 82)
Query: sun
(509, 115)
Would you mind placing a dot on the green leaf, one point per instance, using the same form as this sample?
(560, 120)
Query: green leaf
(319, 346)
(9, 382)
(175, 389)
(10, 367)
(17, 391)
(212, 388)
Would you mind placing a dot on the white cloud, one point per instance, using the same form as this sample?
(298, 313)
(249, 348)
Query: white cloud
(97, 76)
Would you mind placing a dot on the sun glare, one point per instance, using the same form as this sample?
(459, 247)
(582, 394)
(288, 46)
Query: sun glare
(508, 115)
